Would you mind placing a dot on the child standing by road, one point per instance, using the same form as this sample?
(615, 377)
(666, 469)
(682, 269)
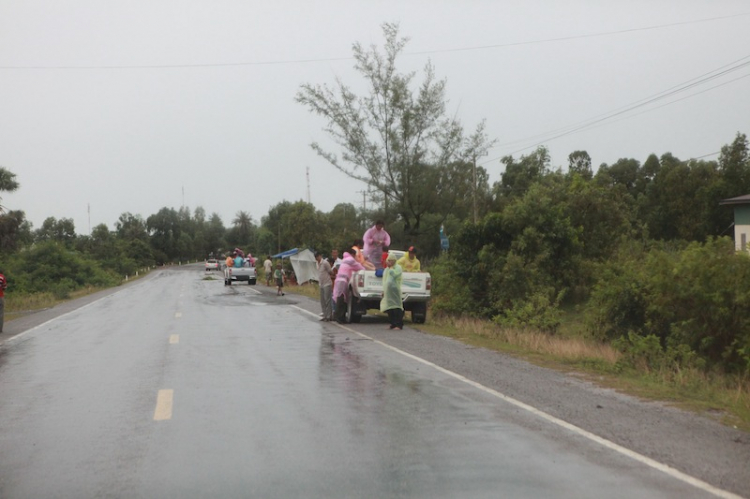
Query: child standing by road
(278, 274)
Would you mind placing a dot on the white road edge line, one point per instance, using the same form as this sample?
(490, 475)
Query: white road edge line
(31, 330)
(674, 473)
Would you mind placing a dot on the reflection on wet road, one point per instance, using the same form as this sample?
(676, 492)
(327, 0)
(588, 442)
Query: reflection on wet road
(182, 387)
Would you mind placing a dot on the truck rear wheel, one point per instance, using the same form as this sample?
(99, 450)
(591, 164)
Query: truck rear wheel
(354, 311)
(419, 313)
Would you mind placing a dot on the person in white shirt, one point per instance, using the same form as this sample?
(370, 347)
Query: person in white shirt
(268, 270)
(326, 286)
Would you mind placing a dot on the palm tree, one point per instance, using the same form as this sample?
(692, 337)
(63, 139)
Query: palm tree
(243, 226)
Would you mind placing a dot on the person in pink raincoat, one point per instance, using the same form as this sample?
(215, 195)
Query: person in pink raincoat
(375, 239)
(341, 286)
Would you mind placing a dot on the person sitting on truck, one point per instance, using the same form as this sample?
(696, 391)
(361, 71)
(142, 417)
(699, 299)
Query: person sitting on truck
(384, 256)
(409, 262)
(375, 238)
(228, 264)
(360, 256)
(391, 302)
(238, 261)
(341, 286)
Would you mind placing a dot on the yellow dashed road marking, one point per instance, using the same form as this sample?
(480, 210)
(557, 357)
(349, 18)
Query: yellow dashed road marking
(178, 315)
(174, 339)
(164, 405)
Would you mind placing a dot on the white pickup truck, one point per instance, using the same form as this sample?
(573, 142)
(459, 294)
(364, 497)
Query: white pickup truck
(367, 290)
(245, 273)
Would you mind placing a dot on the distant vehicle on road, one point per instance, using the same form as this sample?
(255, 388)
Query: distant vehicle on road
(212, 264)
(245, 273)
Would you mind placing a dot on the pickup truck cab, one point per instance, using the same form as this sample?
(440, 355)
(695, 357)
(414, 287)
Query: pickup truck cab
(367, 289)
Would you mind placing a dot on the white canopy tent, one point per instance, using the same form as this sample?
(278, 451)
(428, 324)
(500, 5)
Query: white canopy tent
(304, 265)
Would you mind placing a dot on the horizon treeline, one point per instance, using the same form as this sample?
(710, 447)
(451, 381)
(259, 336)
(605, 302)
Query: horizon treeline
(642, 250)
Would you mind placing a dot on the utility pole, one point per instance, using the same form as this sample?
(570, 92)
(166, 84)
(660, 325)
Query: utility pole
(475, 189)
(308, 185)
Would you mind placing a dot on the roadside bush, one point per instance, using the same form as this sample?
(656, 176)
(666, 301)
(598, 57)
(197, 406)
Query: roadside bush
(695, 298)
(450, 288)
(700, 297)
(50, 267)
(540, 311)
(646, 354)
(618, 300)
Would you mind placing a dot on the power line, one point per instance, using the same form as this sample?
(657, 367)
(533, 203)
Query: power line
(599, 120)
(575, 37)
(639, 103)
(338, 59)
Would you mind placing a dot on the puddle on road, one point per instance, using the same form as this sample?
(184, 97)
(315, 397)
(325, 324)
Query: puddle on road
(238, 295)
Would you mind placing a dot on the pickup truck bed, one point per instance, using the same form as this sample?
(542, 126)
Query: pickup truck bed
(245, 273)
(367, 288)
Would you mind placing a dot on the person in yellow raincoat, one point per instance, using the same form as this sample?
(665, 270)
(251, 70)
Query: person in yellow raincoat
(391, 302)
(409, 262)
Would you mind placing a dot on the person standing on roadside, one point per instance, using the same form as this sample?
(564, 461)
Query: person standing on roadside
(341, 286)
(3, 286)
(268, 269)
(326, 286)
(280, 277)
(375, 238)
(336, 259)
(391, 302)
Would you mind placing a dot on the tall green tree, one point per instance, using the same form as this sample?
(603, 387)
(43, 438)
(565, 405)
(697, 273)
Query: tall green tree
(129, 227)
(734, 164)
(8, 183)
(215, 235)
(164, 230)
(579, 162)
(344, 225)
(10, 222)
(52, 229)
(520, 175)
(295, 225)
(15, 231)
(242, 233)
(397, 138)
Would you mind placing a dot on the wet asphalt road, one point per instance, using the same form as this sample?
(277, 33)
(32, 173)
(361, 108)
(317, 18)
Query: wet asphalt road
(178, 386)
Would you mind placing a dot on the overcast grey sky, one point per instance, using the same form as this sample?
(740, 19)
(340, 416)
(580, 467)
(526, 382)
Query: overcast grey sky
(133, 106)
